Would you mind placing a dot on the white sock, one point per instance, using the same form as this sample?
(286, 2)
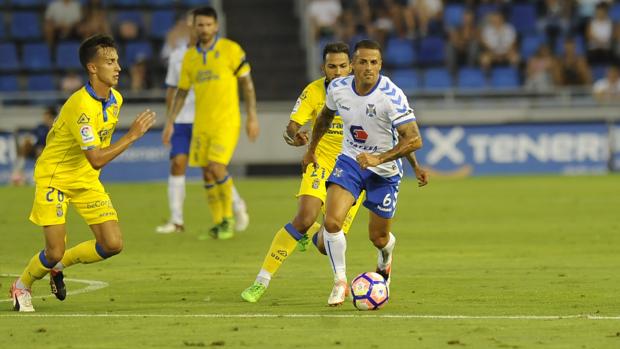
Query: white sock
(59, 267)
(384, 255)
(263, 277)
(176, 197)
(20, 285)
(336, 246)
(238, 203)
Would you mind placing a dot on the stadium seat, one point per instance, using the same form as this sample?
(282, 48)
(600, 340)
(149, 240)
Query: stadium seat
(36, 57)
(483, 10)
(161, 22)
(137, 50)
(505, 78)
(406, 79)
(523, 17)
(453, 15)
(25, 26)
(437, 79)
(40, 83)
(399, 53)
(8, 57)
(130, 16)
(67, 57)
(125, 3)
(614, 12)
(471, 78)
(163, 3)
(599, 72)
(8, 83)
(579, 46)
(195, 3)
(432, 51)
(28, 3)
(530, 44)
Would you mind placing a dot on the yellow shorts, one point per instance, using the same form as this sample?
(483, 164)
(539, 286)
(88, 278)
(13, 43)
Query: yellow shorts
(217, 147)
(313, 184)
(50, 205)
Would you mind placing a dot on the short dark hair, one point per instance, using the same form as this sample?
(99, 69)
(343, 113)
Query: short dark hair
(335, 47)
(205, 11)
(89, 47)
(368, 44)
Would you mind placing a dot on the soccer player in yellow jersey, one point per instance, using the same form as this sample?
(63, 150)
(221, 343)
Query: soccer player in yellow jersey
(78, 146)
(312, 192)
(214, 68)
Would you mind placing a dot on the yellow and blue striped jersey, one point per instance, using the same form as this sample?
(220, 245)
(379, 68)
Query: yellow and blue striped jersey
(213, 74)
(307, 108)
(86, 121)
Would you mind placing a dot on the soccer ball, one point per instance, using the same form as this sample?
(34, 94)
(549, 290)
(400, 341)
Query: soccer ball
(369, 291)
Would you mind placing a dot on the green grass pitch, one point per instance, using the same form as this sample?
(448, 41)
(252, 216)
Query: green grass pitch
(489, 262)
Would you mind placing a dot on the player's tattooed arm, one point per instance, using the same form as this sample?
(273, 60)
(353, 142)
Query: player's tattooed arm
(321, 125)
(409, 141)
(171, 114)
(249, 96)
(293, 137)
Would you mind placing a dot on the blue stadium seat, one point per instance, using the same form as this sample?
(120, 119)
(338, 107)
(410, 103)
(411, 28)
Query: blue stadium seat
(130, 16)
(137, 50)
(432, 51)
(483, 10)
(505, 78)
(40, 83)
(614, 12)
(406, 79)
(580, 45)
(599, 72)
(161, 22)
(399, 53)
(471, 78)
(530, 44)
(453, 15)
(8, 83)
(25, 25)
(67, 55)
(523, 17)
(163, 3)
(36, 56)
(195, 3)
(125, 3)
(28, 3)
(437, 79)
(8, 57)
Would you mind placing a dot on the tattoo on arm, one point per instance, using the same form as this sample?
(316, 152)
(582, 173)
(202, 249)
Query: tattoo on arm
(177, 105)
(409, 141)
(321, 125)
(249, 94)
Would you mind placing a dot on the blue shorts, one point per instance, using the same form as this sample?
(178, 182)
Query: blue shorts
(381, 192)
(181, 139)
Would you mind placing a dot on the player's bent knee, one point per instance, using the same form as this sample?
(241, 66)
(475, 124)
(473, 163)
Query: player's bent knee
(332, 225)
(54, 256)
(113, 247)
(302, 223)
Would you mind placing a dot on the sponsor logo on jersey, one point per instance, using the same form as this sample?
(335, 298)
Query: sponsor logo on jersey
(337, 172)
(359, 134)
(87, 134)
(206, 75)
(371, 110)
(83, 119)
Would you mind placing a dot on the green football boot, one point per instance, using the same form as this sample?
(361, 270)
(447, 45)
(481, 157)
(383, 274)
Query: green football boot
(226, 230)
(302, 244)
(253, 293)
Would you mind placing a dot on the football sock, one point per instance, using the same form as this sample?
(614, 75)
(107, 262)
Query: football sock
(214, 202)
(37, 268)
(176, 196)
(282, 245)
(313, 229)
(384, 255)
(238, 203)
(336, 246)
(225, 188)
(263, 277)
(85, 253)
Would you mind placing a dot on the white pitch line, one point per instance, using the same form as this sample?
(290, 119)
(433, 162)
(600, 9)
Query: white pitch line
(356, 316)
(92, 285)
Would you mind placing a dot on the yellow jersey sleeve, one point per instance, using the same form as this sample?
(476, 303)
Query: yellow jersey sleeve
(239, 65)
(305, 106)
(185, 80)
(82, 127)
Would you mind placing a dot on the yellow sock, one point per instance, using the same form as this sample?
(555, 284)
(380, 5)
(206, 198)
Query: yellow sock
(214, 202)
(85, 253)
(35, 270)
(313, 229)
(282, 245)
(225, 188)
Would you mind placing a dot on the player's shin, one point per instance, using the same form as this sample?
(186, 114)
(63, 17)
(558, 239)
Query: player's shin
(225, 188)
(336, 246)
(176, 197)
(214, 202)
(282, 245)
(85, 253)
(37, 268)
(384, 258)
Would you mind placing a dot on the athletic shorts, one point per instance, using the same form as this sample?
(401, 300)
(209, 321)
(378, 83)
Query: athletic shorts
(213, 146)
(381, 192)
(181, 138)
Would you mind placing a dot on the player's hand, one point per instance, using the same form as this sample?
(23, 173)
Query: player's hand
(143, 122)
(421, 175)
(166, 135)
(300, 138)
(309, 158)
(252, 128)
(368, 160)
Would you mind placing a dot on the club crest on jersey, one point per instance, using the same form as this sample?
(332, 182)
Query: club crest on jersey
(87, 134)
(371, 110)
(358, 134)
(316, 183)
(59, 211)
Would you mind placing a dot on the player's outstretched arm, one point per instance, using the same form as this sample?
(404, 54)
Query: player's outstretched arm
(321, 125)
(420, 172)
(99, 157)
(293, 137)
(249, 96)
(172, 113)
(408, 142)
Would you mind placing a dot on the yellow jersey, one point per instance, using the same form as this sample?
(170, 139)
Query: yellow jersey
(86, 121)
(213, 74)
(307, 108)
